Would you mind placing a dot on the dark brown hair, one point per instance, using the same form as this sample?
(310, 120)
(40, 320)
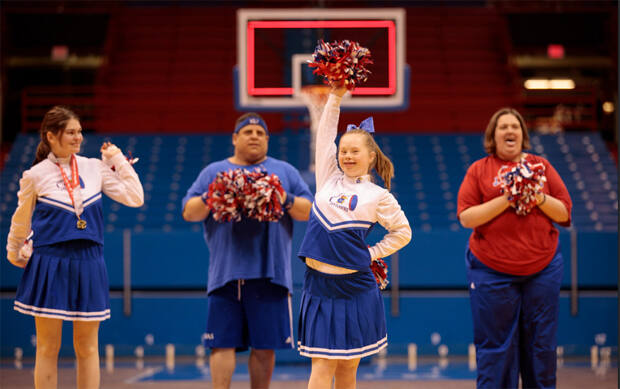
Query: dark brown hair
(382, 164)
(54, 121)
(489, 133)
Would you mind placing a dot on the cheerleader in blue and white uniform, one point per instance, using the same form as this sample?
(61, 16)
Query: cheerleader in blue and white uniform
(65, 277)
(342, 317)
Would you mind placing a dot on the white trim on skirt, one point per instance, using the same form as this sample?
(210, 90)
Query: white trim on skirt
(318, 352)
(290, 320)
(60, 313)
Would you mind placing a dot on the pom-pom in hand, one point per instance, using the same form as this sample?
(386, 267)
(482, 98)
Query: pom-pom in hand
(263, 201)
(341, 63)
(522, 183)
(380, 270)
(222, 198)
(109, 150)
(240, 193)
(25, 252)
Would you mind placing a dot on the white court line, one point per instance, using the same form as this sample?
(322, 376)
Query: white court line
(151, 371)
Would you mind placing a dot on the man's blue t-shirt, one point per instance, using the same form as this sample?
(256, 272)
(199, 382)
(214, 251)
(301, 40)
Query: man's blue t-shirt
(248, 248)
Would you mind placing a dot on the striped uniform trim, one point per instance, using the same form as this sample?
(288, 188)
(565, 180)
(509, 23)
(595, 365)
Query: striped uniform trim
(341, 225)
(60, 313)
(317, 352)
(69, 207)
(290, 320)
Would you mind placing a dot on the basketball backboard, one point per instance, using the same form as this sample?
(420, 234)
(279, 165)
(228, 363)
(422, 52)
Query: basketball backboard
(273, 46)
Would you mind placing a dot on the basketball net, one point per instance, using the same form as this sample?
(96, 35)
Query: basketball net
(314, 97)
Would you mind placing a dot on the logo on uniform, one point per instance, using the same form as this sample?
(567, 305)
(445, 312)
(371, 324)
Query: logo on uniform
(344, 201)
(208, 336)
(61, 184)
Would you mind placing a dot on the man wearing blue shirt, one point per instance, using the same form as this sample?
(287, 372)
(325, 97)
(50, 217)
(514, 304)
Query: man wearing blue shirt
(250, 278)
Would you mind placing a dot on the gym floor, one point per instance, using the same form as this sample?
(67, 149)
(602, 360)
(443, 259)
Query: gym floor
(391, 373)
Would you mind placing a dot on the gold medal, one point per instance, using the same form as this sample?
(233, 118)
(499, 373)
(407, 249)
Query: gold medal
(69, 186)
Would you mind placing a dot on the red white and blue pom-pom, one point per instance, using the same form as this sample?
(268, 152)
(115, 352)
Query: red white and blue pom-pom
(523, 182)
(264, 197)
(241, 193)
(222, 198)
(341, 63)
(380, 270)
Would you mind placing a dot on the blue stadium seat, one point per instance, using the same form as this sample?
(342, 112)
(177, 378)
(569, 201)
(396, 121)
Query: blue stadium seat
(429, 171)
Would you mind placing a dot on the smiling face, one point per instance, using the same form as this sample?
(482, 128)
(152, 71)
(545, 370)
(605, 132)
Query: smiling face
(68, 141)
(508, 138)
(354, 156)
(251, 143)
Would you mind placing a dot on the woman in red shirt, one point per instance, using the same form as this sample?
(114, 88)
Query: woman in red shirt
(514, 264)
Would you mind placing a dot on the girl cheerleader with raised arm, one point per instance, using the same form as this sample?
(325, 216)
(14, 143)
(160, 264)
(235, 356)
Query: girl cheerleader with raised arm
(342, 318)
(65, 277)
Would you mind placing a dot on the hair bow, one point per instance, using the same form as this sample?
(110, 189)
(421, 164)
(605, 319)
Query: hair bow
(367, 125)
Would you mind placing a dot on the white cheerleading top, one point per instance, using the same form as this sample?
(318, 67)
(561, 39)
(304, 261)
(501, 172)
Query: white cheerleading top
(345, 209)
(45, 207)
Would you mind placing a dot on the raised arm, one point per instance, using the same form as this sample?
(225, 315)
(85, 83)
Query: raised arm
(121, 184)
(325, 150)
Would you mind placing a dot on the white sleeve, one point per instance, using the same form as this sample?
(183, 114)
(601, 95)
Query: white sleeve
(325, 152)
(122, 185)
(21, 221)
(393, 219)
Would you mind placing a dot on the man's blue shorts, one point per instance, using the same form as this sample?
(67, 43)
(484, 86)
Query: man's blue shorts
(249, 313)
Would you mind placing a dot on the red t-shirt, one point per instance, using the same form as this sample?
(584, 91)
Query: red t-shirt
(509, 243)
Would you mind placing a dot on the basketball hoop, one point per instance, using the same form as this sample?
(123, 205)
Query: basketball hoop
(314, 97)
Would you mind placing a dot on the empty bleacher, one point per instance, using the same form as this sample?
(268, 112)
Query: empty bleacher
(429, 170)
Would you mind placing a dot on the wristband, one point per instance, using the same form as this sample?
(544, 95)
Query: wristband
(290, 199)
(204, 197)
(544, 199)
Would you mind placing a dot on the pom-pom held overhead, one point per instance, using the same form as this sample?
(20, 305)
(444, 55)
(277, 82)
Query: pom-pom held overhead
(342, 63)
(523, 182)
(241, 193)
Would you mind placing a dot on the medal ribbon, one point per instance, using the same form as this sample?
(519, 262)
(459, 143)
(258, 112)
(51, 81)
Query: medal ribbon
(75, 181)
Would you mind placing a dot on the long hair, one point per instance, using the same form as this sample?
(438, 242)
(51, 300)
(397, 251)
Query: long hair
(54, 121)
(382, 164)
(489, 133)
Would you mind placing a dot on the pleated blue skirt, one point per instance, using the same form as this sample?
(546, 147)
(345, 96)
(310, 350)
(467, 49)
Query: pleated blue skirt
(67, 280)
(341, 317)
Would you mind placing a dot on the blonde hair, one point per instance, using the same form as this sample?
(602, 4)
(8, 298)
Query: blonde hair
(382, 164)
(489, 133)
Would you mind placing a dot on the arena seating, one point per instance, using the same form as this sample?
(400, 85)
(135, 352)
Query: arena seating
(429, 170)
(172, 68)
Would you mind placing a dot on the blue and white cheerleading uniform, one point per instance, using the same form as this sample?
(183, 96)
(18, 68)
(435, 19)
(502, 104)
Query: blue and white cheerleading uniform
(342, 316)
(66, 277)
